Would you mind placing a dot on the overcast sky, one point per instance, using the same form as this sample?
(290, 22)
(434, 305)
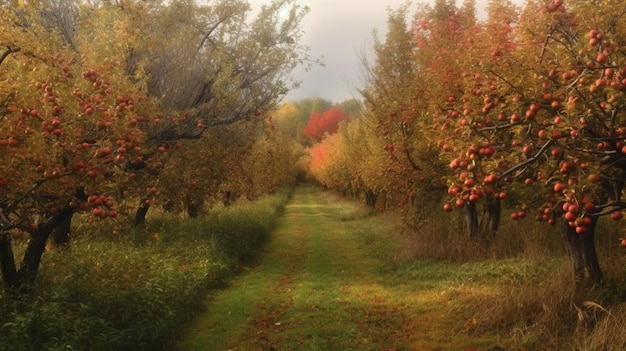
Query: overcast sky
(340, 31)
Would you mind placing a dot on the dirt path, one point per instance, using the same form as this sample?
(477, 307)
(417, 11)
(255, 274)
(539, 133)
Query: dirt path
(317, 287)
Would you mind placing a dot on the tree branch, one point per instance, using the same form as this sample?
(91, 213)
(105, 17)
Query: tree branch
(8, 52)
(26, 194)
(529, 161)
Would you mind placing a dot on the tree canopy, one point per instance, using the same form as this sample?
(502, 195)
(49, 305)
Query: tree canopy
(108, 103)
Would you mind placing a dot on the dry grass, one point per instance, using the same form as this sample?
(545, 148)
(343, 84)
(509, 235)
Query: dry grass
(439, 239)
(534, 305)
(540, 311)
(609, 333)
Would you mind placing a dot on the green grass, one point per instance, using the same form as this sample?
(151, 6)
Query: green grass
(137, 289)
(317, 273)
(329, 280)
(336, 276)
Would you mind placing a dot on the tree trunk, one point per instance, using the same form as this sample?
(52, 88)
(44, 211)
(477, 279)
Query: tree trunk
(370, 198)
(582, 252)
(36, 247)
(193, 210)
(226, 198)
(484, 229)
(592, 265)
(471, 220)
(61, 235)
(490, 221)
(7, 262)
(142, 211)
(169, 205)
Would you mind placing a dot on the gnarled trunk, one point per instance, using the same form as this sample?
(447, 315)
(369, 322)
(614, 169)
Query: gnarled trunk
(582, 253)
(23, 278)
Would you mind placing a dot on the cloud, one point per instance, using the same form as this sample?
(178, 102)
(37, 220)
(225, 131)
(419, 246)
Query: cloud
(340, 31)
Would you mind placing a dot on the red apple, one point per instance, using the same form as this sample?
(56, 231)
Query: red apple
(616, 215)
(559, 187)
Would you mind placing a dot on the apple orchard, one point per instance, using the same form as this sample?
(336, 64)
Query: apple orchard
(107, 109)
(520, 115)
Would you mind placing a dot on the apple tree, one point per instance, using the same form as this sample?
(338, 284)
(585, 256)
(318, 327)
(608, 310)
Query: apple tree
(271, 162)
(453, 47)
(397, 100)
(63, 133)
(213, 66)
(550, 103)
(95, 97)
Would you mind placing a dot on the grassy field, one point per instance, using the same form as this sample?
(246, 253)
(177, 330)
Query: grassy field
(310, 270)
(336, 277)
(331, 279)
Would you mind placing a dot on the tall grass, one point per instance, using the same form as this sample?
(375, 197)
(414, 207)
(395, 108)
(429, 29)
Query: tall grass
(530, 295)
(122, 288)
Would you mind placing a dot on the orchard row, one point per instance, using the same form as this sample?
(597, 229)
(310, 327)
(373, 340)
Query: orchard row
(528, 105)
(105, 110)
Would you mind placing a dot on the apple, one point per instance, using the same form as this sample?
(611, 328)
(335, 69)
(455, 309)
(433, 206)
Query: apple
(594, 178)
(617, 215)
(589, 206)
(559, 187)
(453, 190)
(92, 173)
(541, 133)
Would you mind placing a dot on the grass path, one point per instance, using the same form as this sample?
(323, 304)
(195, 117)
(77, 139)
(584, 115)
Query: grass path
(318, 286)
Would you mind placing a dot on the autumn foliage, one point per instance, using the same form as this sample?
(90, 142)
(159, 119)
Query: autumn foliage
(523, 113)
(101, 115)
(324, 123)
